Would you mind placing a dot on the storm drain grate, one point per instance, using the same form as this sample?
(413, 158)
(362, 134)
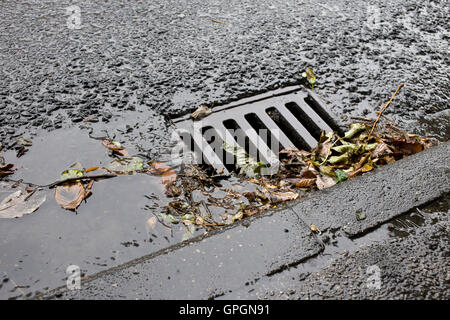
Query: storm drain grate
(263, 125)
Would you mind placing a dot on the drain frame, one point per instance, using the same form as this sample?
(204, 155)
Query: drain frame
(308, 103)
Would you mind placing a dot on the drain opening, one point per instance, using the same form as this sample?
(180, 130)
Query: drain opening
(321, 112)
(215, 141)
(304, 119)
(259, 126)
(287, 128)
(241, 138)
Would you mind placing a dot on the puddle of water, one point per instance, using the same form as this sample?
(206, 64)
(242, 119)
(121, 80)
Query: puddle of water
(110, 228)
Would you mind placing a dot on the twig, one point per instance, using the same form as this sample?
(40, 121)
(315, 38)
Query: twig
(362, 119)
(382, 110)
(51, 185)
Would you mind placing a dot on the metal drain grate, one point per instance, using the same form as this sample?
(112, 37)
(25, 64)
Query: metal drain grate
(263, 125)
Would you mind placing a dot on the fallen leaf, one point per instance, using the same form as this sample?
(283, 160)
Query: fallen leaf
(360, 216)
(341, 175)
(70, 195)
(6, 170)
(406, 147)
(350, 147)
(248, 212)
(327, 170)
(308, 173)
(247, 165)
(343, 158)
(291, 152)
(355, 128)
(324, 182)
(367, 167)
(381, 150)
(24, 142)
(126, 165)
(315, 229)
(310, 76)
(276, 197)
(18, 204)
(71, 173)
(115, 147)
(298, 182)
(161, 169)
(238, 216)
(201, 112)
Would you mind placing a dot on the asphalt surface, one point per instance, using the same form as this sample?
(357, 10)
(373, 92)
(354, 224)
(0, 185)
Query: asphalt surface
(129, 65)
(171, 56)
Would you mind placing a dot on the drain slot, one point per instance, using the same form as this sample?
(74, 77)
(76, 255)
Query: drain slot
(264, 133)
(304, 119)
(262, 125)
(285, 126)
(323, 116)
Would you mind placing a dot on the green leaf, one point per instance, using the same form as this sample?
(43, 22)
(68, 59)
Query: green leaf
(350, 147)
(247, 165)
(126, 164)
(355, 128)
(310, 76)
(24, 142)
(341, 175)
(360, 216)
(167, 218)
(343, 158)
(71, 173)
(75, 171)
(326, 170)
(238, 216)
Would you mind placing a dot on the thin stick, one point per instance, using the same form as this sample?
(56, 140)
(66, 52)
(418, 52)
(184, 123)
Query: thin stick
(384, 108)
(51, 185)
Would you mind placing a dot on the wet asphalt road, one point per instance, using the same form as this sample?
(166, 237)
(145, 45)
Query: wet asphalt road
(129, 63)
(170, 56)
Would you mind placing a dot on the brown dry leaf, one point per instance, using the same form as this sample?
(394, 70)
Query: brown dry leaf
(298, 182)
(308, 173)
(380, 150)
(315, 229)
(293, 152)
(367, 167)
(201, 112)
(6, 170)
(18, 204)
(324, 148)
(409, 148)
(276, 197)
(354, 173)
(248, 212)
(70, 195)
(115, 147)
(389, 159)
(324, 182)
(161, 169)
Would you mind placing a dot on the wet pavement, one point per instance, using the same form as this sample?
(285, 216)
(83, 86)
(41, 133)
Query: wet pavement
(131, 64)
